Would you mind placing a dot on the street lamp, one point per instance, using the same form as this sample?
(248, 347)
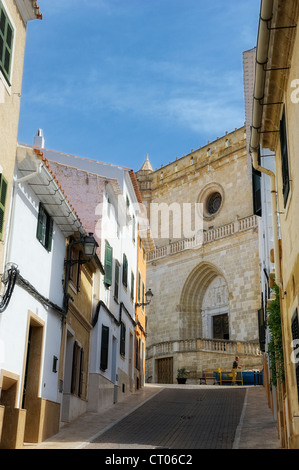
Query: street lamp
(89, 245)
(148, 296)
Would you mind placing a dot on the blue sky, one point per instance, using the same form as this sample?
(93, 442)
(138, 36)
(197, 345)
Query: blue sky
(114, 80)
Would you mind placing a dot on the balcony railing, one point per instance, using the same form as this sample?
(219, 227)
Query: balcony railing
(204, 344)
(208, 236)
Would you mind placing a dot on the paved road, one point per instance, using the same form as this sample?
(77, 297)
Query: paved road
(179, 419)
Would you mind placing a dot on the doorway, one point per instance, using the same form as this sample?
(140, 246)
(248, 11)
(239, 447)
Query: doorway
(220, 326)
(165, 370)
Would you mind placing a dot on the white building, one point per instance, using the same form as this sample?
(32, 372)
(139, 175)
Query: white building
(108, 202)
(31, 315)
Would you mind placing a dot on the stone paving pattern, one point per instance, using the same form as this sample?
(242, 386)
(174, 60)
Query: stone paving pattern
(157, 416)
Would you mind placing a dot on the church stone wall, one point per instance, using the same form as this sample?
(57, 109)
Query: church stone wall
(180, 271)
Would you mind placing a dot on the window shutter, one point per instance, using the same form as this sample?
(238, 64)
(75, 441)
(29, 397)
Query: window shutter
(284, 159)
(40, 223)
(6, 43)
(116, 280)
(132, 285)
(125, 271)
(49, 234)
(122, 339)
(75, 367)
(139, 284)
(295, 335)
(81, 373)
(256, 192)
(104, 347)
(3, 192)
(108, 265)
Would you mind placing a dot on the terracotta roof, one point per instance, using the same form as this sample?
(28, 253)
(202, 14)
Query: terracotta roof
(135, 186)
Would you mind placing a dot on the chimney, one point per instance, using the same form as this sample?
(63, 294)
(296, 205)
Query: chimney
(39, 140)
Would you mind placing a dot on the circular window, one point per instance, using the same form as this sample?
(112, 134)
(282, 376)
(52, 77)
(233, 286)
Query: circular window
(213, 203)
(211, 199)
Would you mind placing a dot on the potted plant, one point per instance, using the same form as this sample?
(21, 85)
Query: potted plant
(182, 375)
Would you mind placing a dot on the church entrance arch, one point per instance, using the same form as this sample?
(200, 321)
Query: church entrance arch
(204, 304)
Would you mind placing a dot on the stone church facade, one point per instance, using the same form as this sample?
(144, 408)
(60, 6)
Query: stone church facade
(205, 279)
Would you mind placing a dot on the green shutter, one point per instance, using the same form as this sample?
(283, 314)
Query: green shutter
(123, 339)
(3, 193)
(49, 236)
(6, 43)
(108, 264)
(125, 271)
(116, 280)
(40, 223)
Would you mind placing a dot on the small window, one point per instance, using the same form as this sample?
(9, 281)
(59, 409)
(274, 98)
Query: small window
(44, 228)
(125, 271)
(3, 192)
(6, 43)
(143, 293)
(122, 339)
(139, 287)
(104, 347)
(75, 269)
(134, 229)
(213, 203)
(132, 286)
(77, 370)
(108, 265)
(116, 280)
(284, 159)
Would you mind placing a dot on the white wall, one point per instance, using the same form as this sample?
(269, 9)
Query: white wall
(44, 270)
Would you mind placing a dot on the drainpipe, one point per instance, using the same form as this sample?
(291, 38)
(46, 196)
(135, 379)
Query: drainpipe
(266, 14)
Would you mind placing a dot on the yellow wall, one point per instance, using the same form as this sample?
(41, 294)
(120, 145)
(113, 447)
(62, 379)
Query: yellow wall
(289, 225)
(10, 108)
(140, 311)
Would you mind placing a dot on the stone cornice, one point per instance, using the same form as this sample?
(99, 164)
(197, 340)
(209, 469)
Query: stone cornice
(29, 10)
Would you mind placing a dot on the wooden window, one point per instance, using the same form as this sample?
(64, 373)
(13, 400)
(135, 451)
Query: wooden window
(6, 43)
(256, 192)
(81, 373)
(44, 231)
(284, 158)
(75, 268)
(125, 271)
(137, 354)
(122, 339)
(75, 367)
(104, 347)
(116, 280)
(143, 293)
(108, 264)
(3, 192)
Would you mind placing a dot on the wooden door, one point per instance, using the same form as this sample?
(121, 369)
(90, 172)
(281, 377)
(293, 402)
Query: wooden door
(165, 370)
(220, 326)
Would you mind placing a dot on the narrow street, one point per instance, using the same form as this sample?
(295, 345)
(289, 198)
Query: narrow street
(169, 417)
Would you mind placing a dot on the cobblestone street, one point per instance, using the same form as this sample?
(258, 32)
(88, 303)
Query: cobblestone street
(179, 419)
